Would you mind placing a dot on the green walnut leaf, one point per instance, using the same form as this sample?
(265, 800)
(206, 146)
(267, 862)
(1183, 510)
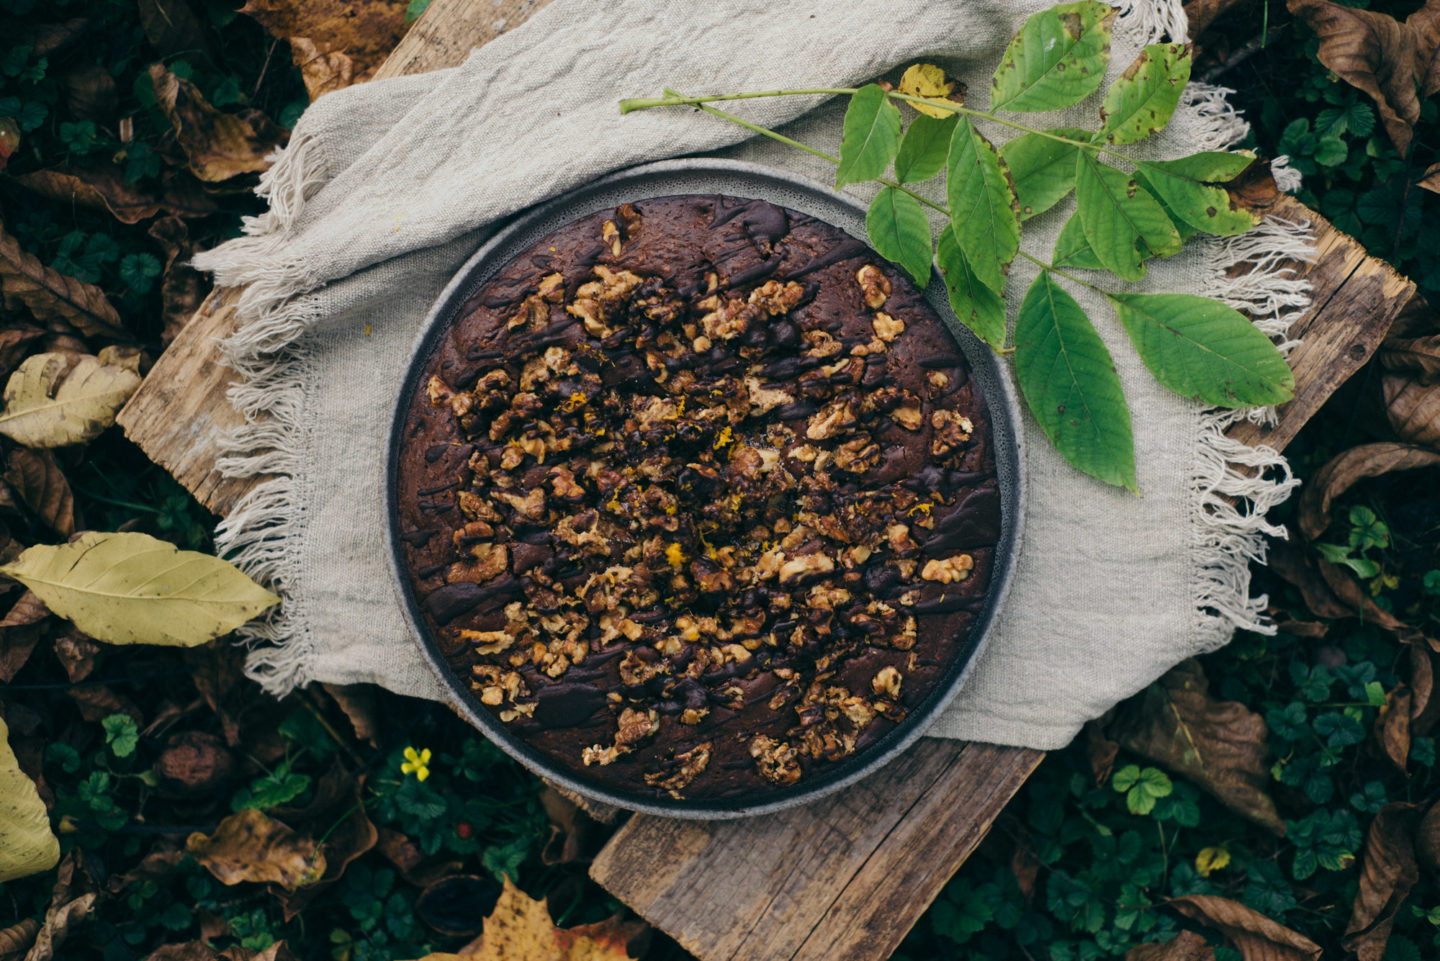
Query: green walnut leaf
(1058, 58)
(983, 209)
(1072, 249)
(924, 148)
(1203, 349)
(1188, 187)
(1069, 383)
(1181, 227)
(1143, 98)
(976, 305)
(1043, 168)
(871, 135)
(1123, 223)
(900, 231)
(131, 588)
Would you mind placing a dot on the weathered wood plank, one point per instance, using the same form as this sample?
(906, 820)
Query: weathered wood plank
(180, 412)
(842, 878)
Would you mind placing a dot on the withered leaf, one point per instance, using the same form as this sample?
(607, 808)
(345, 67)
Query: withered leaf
(58, 921)
(48, 39)
(17, 938)
(182, 288)
(104, 187)
(1218, 745)
(1418, 354)
(1392, 726)
(359, 704)
(27, 845)
(520, 929)
(361, 32)
(249, 846)
(49, 403)
(1413, 408)
(90, 93)
(36, 477)
(75, 652)
(1430, 180)
(1424, 706)
(219, 145)
(1357, 600)
(53, 297)
(16, 646)
(1427, 838)
(337, 810)
(1346, 469)
(14, 341)
(186, 951)
(1255, 936)
(1100, 750)
(1186, 946)
(1387, 873)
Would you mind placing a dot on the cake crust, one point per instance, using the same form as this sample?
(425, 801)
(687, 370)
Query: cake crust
(698, 497)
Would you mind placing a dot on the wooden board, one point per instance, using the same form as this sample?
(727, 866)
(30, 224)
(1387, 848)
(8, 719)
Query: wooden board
(846, 877)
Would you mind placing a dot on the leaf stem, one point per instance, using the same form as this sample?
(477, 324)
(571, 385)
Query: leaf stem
(673, 99)
(1068, 276)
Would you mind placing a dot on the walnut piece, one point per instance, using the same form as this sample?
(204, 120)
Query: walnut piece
(886, 682)
(887, 328)
(948, 570)
(874, 285)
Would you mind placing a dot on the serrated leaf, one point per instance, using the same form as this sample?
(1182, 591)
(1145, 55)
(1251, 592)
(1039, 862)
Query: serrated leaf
(983, 209)
(1203, 349)
(1119, 216)
(1043, 168)
(130, 588)
(928, 81)
(1069, 383)
(46, 407)
(1188, 187)
(1072, 249)
(1057, 58)
(900, 231)
(27, 845)
(924, 148)
(871, 136)
(1142, 100)
(52, 296)
(975, 305)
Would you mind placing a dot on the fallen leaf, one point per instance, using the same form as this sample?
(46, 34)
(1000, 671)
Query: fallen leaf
(279, 951)
(104, 187)
(1418, 354)
(1185, 946)
(334, 42)
(17, 938)
(249, 846)
(188, 951)
(16, 646)
(75, 652)
(14, 343)
(53, 297)
(1100, 750)
(100, 701)
(173, 28)
(338, 811)
(1427, 838)
(219, 145)
(1430, 180)
(1220, 746)
(1378, 55)
(573, 833)
(520, 929)
(1424, 706)
(1392, 726)
(36, 476)
(927, 80)
(359, 704)
(48, 39)
(194, 764)
(27, 845)
(1356, 599)
(1255, 936)
(182, 288)
(1413, 408)
(46, 406)
(90, 93)
(58, 921)
(1346, 469)
(1387, 873)
(134, 589)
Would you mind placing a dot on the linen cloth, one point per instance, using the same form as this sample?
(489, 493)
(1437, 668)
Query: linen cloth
(387, 187)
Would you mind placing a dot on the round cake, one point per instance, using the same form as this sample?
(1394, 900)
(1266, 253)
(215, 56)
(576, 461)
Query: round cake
(698, 498)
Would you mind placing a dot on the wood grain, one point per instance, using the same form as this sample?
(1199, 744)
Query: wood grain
(845, 877)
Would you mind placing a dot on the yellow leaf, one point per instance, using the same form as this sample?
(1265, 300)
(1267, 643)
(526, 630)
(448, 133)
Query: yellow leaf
(47, 407)
(928, 80)
(249, 846)
(1211, 859)
(131, 588)
(27, 845)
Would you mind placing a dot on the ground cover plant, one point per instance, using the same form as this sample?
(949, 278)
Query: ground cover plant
(1270, 800)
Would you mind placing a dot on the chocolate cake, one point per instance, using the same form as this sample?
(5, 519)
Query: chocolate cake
(698, 497)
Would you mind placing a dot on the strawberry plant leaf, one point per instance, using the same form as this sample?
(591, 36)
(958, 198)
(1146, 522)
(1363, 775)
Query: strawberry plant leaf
(1201, 348)
(924, 148)
(871, 136)
(1057, 58)
(900, 231)
(1143, 98)
(1069, 383)
(1118, 216)
(1043, 168)
(983, 209)
(976, 305)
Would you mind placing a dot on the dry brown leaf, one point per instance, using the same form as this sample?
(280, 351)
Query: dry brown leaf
(338, 811)
(76, 653)
(1356, 599)
(173, 28)
(574, 835)
(1201, 13)
(99, 702)
(279, 951)
(1392, 726)
(359, 704)
(58, 921)
(219, 145)
(182, 288)
(520, 929)
(456, 906)
(104, 187)
(1413, 408)
(17, 938)
(1387, 873)
(248, 846)
(1220, 746)
(1430, 180)
(16, 646)
(90, 93)
(53, 297)
(1427, 838)
(1424, 705)
(1418, 354)
(37, 478)
(1100, 750)
(1374, 53)
(1255, 936)
(334, 42)
(1186, 946)
(1425, 25)
(14, 344)
(188, 951)
(1346, 469)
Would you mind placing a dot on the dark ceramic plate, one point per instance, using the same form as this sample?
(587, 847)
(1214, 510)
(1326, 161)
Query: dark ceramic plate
(735, 179)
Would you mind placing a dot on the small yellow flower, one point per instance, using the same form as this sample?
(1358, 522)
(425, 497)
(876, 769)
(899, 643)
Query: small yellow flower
(416, 763)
